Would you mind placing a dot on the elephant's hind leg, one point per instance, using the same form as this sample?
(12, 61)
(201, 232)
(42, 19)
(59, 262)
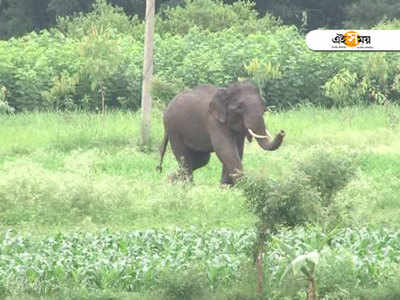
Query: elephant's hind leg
(184, 157)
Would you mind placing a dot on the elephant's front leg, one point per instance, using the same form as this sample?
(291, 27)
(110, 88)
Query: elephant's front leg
(227, 151)
(226, 177)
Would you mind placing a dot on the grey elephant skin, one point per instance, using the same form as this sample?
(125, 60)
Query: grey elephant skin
(210, 119)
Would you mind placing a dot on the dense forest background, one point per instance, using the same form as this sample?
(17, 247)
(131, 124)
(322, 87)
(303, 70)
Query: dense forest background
(18, 17)
(77, 55)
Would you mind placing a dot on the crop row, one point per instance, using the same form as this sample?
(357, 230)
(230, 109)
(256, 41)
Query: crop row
(133, 261)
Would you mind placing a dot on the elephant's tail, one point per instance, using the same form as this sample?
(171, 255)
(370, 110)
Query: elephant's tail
(163, 147)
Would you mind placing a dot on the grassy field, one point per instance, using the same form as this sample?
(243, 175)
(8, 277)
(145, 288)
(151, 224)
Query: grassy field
(76, 174)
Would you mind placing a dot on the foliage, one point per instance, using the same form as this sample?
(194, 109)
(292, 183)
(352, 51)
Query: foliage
(175, 262)
(389, 290)
(98, 57)
(213, 15)
(366, 13)
(375, 82)
(21, 17)
(328, 171)
(109, 260)
(278, 203)
(303, 194)
(103, 17)
(67, 191)
(345, 89)
(187, 284)
(18, 18)
(44, 142)
(388, 24)
(164, 91)
(76, 173)
(50, 71)
(286, 69)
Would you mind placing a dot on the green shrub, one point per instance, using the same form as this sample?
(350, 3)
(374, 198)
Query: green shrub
(388, 24)
(165, 91)
(303, 193)
(328, 171)
(289, 202)
(332, 264)
(304, 196)
(185, 284)
(213, 15)
(345, 89)
(102, 16)
(388, 291)
(32, 193)
(58, 73)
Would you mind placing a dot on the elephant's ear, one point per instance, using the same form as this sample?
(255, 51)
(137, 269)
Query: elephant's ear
(218, 105)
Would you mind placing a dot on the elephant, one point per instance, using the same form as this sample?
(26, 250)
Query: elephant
(213, 119)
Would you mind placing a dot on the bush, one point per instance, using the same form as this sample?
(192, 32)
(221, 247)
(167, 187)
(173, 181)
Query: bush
(67, 71)
(214, 16)
(304, 194)
(32, 193)
(388, 291)
(102, 16)
(364, 14)
(289, 202)
(345, 89)
(185, 284)
(46, 72)
(328, 171)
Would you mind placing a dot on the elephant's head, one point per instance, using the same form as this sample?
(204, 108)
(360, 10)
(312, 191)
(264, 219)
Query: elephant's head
(240, 107)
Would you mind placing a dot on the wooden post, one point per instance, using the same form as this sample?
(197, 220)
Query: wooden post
(147, 73)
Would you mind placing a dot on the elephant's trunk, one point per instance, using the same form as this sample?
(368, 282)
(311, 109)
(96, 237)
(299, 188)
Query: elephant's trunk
(266, 143)
(256, 128)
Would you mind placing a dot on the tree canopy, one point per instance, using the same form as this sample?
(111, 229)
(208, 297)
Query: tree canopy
(18, 17)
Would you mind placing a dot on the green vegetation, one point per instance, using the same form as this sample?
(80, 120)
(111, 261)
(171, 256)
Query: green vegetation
(85, 215)
(64, 177)
(191, 265)
(18, 18)
(306, 195)
(89, 59)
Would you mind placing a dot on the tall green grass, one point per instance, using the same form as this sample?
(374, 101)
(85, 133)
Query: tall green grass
(80, 170)
(65, 176)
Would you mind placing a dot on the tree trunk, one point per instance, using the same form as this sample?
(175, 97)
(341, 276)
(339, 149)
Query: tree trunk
(103, 99)
(260, 272)
(259, 257)
(147, 73)
(311, 291)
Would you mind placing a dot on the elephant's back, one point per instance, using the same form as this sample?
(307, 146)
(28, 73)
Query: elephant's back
(191, 102)
(201, 93)
(187, 115)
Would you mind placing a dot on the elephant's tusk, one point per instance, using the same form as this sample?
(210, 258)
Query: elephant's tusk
(268, 136)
